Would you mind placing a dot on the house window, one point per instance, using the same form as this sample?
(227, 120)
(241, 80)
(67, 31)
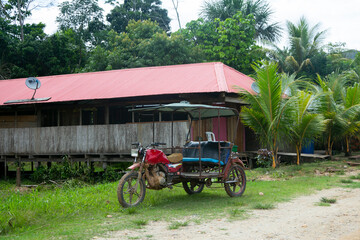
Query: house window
(92, 116)
(49, 117)
(119, 115)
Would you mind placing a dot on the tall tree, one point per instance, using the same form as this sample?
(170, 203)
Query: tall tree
(82, 16)
(230, 41)
(120, 16)
(143, 44)
(176, 7)
(305, 53)
(268, 112)
(18, 10)
(306, 123)
(260, 9)
(341, 109)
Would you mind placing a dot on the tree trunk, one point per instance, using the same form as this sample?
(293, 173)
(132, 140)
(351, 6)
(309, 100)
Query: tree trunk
(274, 151)
(177, 13)
(347, 140)
(298, 154)
(329, 145)
(21, 21)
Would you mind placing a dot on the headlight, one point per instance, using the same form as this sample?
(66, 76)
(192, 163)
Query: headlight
(134, 152)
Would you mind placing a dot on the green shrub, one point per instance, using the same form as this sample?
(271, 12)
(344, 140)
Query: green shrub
(264, 158)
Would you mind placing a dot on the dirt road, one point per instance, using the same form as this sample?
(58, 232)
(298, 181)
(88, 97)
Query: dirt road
(300, 218)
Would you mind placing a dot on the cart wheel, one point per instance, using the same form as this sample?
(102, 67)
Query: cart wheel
(128, 195)
(235, 181)
(193, 187)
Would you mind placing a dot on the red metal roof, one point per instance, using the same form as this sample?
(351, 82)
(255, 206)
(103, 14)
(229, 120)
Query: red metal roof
(147, 81)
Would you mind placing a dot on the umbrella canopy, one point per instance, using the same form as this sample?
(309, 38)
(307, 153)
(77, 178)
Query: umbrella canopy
(195, 111)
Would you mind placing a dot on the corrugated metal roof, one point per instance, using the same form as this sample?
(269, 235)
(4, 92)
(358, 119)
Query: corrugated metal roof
(147, 81)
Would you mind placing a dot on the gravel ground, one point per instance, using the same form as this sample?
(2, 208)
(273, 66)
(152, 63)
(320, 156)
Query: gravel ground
(300, 218)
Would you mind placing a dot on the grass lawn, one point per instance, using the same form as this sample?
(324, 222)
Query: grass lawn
(79, 211)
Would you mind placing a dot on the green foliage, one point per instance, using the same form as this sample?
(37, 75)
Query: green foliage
(260, 9)
(346, 181)
(306, 123)
(328, 200)
(82, 16)
(79, 212)
(263, 158)
(263, 206)
(66, 170)
(143, 44)
(177, 225)
(304, 56)
(355, 177)
(230, 41)
(73, 173)
(268, 110)
(138, 10)
(341, 109)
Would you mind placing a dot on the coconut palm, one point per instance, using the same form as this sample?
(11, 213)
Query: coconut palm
(351, 114)
(268, 111)
(305, 43)
(341, 109)
(306, 123)
(260, 9)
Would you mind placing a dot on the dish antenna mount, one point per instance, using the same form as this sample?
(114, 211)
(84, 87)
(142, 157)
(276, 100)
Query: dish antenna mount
(32, 83)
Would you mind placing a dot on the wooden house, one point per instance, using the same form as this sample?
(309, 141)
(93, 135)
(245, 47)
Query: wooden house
(87, 117)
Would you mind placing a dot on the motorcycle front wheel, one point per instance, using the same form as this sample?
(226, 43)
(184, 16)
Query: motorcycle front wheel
(129, 193)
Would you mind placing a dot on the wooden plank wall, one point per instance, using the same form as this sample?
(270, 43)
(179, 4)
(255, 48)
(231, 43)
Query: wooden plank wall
(115, 138)
(21, 121)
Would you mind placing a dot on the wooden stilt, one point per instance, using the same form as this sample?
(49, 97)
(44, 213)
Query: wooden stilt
(18, 177)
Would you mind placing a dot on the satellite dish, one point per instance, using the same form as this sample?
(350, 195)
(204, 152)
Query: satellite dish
(255, 87)
(33, 83)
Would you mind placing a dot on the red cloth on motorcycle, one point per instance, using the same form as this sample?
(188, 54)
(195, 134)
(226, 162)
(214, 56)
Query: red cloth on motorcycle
(154, 156)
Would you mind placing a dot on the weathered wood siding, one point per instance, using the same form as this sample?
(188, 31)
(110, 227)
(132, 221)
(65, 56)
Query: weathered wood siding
(115, 138)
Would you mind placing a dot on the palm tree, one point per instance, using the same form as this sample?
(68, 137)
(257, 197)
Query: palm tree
(305, 44)
(268, 110)
(306, 123)
(351, 114)
(341, 109)
(260, 9)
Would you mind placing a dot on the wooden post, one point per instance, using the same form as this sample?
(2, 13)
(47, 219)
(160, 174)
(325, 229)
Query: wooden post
(18, 177)
(107, 115)
(5, 168)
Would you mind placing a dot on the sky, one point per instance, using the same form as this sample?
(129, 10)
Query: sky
(341, 18)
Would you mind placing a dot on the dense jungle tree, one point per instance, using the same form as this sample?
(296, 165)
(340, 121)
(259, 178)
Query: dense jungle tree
(121, 14)
(230, 41)
(143, 43)
(260, 9)
(18, 10)
(85, 18)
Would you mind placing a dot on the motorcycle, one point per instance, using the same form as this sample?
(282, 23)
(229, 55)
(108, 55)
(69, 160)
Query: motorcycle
(201, 163)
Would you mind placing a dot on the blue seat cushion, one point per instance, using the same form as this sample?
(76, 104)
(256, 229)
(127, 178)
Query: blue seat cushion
(208, 160)
(209, 152)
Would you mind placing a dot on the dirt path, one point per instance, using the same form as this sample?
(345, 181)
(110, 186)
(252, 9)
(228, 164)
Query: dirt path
(300, 218)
